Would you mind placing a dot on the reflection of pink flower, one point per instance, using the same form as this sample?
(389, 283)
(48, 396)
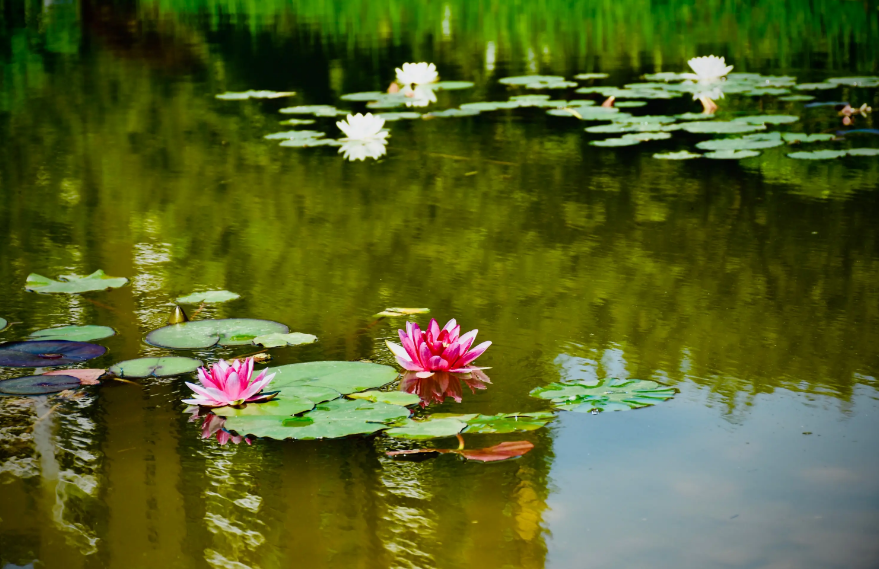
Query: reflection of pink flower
(213, 425)
(437, 387)
(437, 350)
(229, 384)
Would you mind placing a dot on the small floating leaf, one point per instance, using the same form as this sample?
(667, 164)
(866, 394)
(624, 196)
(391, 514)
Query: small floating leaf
(605, 395)
(344, 377)
(489, 105)
(401, 312)
(796, 98)
(207, 333)
(311, 392)
(399, 116)
(38, 384)
(155, 367)
(297, 121)
(208, 296)
(427, 429)
(815, 86)
(731, 154)
(85, 376)
(682, 155)
(280, 340)
(316, 110)
(613, 142)
(818, 155)
(3, 323)
(645, 136)
(361, 410)
(452, 85)
(799, 137)
(47, 353)
(586, 76)
(278, 406)
(452, 113)
(295, 135)
(667, 76)
(855, 81)
(280, 427)
(230, 96)
(695, 116)
(526, 79)
(389, 397)
(508, 422)
(630, 104)
(863, 152)
(761, 91)
(366, 96)
(73, 284)
(310, 142)
(721, 127)
(750, 142)
(74, 333)
(767, 119)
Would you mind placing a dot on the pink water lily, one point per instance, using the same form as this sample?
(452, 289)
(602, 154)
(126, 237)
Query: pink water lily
(230, 384)
(426, 352)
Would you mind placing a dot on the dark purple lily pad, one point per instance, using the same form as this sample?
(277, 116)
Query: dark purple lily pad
(47, 353)
(38, 384)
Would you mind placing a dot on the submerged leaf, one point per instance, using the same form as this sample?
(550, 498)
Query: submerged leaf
(208, 296)
(502, 451)
(73, 284)
(280, 340)
(47, 353)
(155, 367)
(74, 333)
(604, 395)
(207, 333)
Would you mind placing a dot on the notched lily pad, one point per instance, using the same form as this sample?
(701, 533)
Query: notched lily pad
(281, 340)
(47, 353)
(278, 406)
(390, 397)
(73, 284)
(155, 367)
(38, 384)
(208, 296)
(604, 395)
(73, 333)
(818, 155)
(427, 429)
(749, 142)
(800, 138)
(721, 127)
(613, 142)
(508, 422)
(767, 119)
(344, 377)
(206, 333)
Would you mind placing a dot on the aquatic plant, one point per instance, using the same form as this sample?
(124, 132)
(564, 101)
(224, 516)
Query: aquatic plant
(362, 149)
(417, 74)
(420, 96)
(363, 127)
(426, 352)
(441, 385)
(708, 68)
(230, 384)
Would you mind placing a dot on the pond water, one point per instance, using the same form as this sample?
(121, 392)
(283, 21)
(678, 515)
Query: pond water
(751, 286)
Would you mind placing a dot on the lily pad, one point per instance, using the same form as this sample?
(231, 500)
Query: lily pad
(767, 119)
(587, 76)
(281, 340)
(750, 142)
(297, 122)
(208, 296)
(427, 429)
(796, 98)
(731, 154)
(278, 406)
(855, 81)
(528, 79)
(230, 96)
(646, 136)
(815, 86)
(695, 116)
(3, 323)
(73, 284)
(74, 333)
(155, 367)
(360, 410)
(310, 142)
(604, 395)
(489, 105)
(682, 155)
(276, 427)
(761, 91)
(316, 110)
(453, 113)
(721, 127)
(589, 113)
(399, 116)
(85, 376)
(365, 96)
(344, 377)
(800, 138)
(818, 155)
(295, 135)
(207, 333)
(47, 353)
(614, 142)
(667, 76)
(630, 104)
(508, 423)
(401, 312)
(452, 85)
(38, 384)
(313, 393)
(863, 152)
(390, 397)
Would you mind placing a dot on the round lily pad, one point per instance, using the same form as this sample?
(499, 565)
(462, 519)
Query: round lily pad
(753, 142)
(155, 367)
(645, 136)
(682, 155)
(277, 406)
(294, 135)
(314, 393)
(208, 296)
(796, 98)
(613, 142)
(390, 397)
(316, 110)
(399, 116)
(347, 409)
(3, 323)
(799, 137)
(721, 127)
(365, 96)
(489, 105)
(630, 104)
(74, 333)
(453, 113)
(855, 81)
(344, 377)
(281, 427)
(526, 79)
(47, 353)
(452, 85)
(818, 155)
(815, 86)
(731, 154)
(280, 340)
(310, 142)
(508, 423)
(429, 429)
(232, 96)
(38, 384)
(73, 284)
(207, 333)
(863, 152)
(586, 76)
(604, 395)
(767, 119)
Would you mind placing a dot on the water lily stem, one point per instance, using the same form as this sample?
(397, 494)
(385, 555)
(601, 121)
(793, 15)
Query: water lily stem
(197, 310)
(460, 441)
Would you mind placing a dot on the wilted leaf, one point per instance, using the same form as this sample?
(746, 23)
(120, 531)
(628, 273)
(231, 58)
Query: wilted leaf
(401, 312)
(73, 284)
(85, 376)
(502, 451)
(280, 340)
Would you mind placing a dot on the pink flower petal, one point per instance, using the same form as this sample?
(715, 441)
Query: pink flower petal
(467, 340)
(473, 354)
(424, 374)
(424, 356)
(434, 328)
(398, 350)
(409, 365)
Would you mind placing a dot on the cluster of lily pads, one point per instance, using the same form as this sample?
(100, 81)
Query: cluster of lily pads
(417, 84)
(314, 400)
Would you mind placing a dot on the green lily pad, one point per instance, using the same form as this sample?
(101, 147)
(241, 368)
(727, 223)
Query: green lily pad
(344, 377)
(310, 142)
(614, 142)
(74, 333)
(761, 91)
(295, 135)
(280, 427)
(508, 423)
(452, 85)
(750, 142)
(390, 397)
(796, 98)
(646, 119)
(206, 333)
(360, 410)
(406, 115)
(428, 429)
(667, 76)
(313, 393)
(3, 324)
(529, 99)
(453, 113)
(721, 127)
(818, 155)
(604, 395)
(682, 155)
(799, 137)
(863, 152)
(209, 296)
(278, 406)
(489, 106)
(767, 119)
(630, 104)
(366, 96)
(316, 110)
(731, 154)
(646, 136)
(815, 86)
(694, 116)
(389, 101)
(550, 85)
(622, 127)
(527, 79)
(73, 284)
(855, 81)
(297, 122)
(155, 367)
(280, 340)
(586, 76)
(230, 96)
(589, 113)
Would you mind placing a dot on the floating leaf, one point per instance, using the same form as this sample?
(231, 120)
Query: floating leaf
(614, 142)
(731, 154)
(695, 116)
(796, 98)
(310, 142)
(750, 142)
(818, 155)
(508, 423)
(863, 152)
(682, 155)
(452, 85)
(280, 340)
(38, 384)
(587, 76)
(646, 136)
(799, 137)
(589, 113)
(278, 406)
(815, 86)
(297, 121)
(502, 451)
(47, 353)
(208, 296)
(667, 76)
(399, 116)
(630, 104)
(427, 429)
(207, 333)
(74, 333)
(3, 324)
(453, 113)
(295, 135)
(767, 119)
(366, 96)
(276, 427)
(73, 284)
(344, 377)
(85, 376)
(527, 79)
(389, 397)
(392, 100)
(230, 96)
(489, 106)
(721, 127)
(761, 91)
(550, 85)
(604, 395)
(316, 110)
(401, 312)
(314, 393)
(855, 81)
(155, 367)
(360, 410)
(621, 127)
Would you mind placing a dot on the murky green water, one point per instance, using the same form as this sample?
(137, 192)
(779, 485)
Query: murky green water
(751, 286)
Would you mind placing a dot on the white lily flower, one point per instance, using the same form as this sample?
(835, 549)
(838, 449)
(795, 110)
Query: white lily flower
(417, 74)
(420, 96)
(363, 149)
(363, 127)
(709, 68)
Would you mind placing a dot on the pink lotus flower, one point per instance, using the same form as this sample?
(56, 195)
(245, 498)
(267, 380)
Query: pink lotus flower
(230, 384)
(441, 385)
(437, 350)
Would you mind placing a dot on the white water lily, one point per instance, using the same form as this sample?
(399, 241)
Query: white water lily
(363, 149)
(417, 74)
(363, 127)
(420, 96)
(709, 68)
